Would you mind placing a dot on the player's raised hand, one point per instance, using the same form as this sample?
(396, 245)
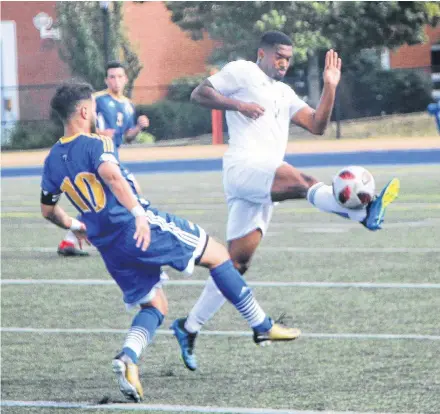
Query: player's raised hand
(142, 234)
(251, 110)
(332, 70)
(143, 122)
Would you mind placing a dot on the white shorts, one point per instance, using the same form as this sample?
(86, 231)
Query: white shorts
(248, 194)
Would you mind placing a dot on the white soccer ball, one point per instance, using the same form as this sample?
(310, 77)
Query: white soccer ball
(353, 187)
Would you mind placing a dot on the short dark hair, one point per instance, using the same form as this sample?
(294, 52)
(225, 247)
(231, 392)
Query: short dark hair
(274, 37)
(113, 65)
(67, 96)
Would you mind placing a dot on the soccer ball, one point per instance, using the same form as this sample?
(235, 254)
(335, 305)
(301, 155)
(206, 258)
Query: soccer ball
(353, 187)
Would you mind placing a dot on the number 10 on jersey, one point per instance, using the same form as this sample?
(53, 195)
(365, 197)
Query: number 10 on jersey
(91, 194)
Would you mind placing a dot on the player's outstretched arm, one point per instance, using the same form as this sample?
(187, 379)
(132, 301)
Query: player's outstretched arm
(206, 95)
(111, 174)
(316, 121)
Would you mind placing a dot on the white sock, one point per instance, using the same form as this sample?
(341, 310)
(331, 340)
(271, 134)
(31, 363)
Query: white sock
(210, 302)
(70, 237)
(321, 196)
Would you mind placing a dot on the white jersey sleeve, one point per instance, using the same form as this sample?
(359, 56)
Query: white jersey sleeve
(230, 79)
(296, 103)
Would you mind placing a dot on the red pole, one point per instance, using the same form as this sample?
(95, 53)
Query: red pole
(217, 127)
(217, 121)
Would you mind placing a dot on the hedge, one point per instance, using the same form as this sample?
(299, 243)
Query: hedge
(170, 119)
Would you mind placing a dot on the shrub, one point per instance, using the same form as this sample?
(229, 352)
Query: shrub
(170, 119)
(367, 90)
(181, 88)
(34, 134)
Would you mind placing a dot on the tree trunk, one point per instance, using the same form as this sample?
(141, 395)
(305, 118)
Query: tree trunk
(313, 83)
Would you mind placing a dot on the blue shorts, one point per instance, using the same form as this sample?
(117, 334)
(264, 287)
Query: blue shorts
(175, 242)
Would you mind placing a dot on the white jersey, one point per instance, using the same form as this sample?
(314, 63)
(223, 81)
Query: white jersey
(262, 141)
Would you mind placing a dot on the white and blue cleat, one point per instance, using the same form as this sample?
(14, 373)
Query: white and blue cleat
(186, 341)
(376, 209)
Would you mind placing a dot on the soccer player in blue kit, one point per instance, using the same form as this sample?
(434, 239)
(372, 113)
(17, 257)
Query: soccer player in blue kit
(116, 118)
(134, 241)
(434, 109)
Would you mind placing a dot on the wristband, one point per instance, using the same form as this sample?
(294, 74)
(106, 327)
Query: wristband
(76, 225)
(137, 211)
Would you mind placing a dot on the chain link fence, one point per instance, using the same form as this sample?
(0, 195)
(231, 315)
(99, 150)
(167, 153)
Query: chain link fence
(28, 122)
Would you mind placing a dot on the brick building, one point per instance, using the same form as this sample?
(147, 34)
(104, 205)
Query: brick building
(426, 56)
(33, 64)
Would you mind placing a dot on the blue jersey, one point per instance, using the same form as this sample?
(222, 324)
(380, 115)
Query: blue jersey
(114, 113)
(72, 168)
(434, 109)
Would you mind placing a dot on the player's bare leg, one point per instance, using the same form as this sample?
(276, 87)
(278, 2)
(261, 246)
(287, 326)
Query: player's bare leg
(226, 282)
(211, 300)
(232, 285)
(290, 183)
(241, 250)
(141, 333)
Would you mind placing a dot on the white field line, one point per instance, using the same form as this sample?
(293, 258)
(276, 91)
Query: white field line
(276, 249)
(303, 227)
(221, 333)
(353, 249)
(165, 407)
(185, 282)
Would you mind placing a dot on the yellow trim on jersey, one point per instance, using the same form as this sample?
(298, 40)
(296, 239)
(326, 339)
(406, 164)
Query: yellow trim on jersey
(65, 140)
(108, 92)
(107, 142)
(101, 93)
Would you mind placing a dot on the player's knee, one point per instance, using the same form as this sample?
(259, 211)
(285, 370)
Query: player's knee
(159, 302)
(215, 254)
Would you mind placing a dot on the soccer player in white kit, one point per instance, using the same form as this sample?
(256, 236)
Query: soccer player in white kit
(259, 109)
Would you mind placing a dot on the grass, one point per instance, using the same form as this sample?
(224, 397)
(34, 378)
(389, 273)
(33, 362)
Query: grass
(343, 374)
(399, 125)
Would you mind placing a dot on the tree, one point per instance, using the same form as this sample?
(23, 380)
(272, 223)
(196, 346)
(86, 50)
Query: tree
(82, 43)
(346, 26)
(353, 26)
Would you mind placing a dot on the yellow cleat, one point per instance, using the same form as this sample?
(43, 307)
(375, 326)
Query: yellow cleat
(127, 375)
(376, 209)
(275, 334)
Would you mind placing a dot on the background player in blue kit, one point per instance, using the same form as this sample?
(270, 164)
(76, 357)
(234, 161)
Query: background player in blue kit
(116, 119)
(434, 109)
(134, 241)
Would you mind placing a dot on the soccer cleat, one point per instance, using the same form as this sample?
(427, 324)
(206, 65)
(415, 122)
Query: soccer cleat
(277, 333)
(66, 249)
(127, 374)
(376, 209)
(186, 341)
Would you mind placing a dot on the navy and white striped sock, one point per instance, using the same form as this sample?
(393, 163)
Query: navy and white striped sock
(142, 332)
(235, 290)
